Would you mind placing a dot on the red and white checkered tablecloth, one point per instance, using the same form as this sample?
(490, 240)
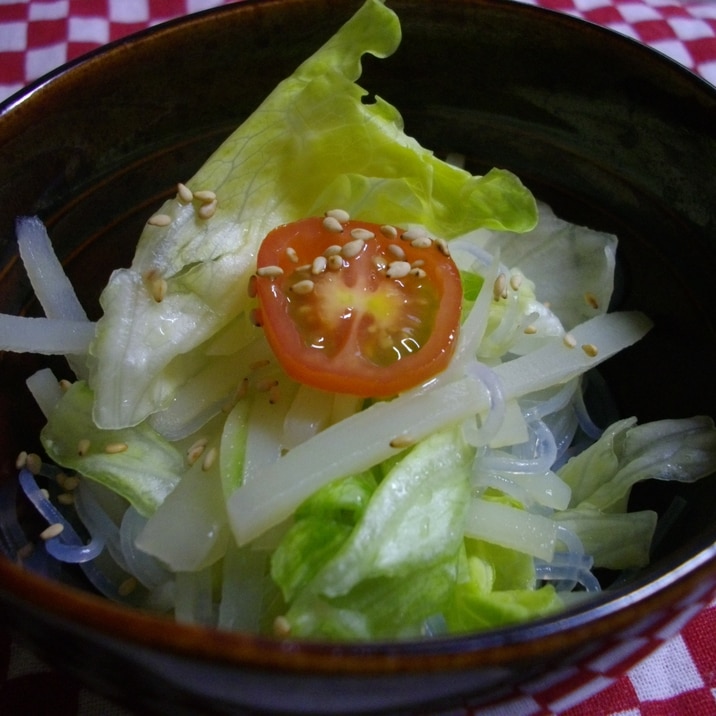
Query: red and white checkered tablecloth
(670, 673)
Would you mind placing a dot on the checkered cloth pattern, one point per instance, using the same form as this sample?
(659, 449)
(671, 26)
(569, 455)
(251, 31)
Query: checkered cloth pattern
(670, 672)
(683, 31)
(37, 36)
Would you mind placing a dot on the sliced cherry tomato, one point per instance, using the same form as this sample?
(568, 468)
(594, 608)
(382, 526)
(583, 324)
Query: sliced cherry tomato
(355, 307)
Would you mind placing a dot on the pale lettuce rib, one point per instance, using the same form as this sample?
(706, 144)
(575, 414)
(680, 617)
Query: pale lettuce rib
(136, 463)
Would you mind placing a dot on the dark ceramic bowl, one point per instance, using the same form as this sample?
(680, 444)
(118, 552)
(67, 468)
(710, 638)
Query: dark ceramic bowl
(607, 131)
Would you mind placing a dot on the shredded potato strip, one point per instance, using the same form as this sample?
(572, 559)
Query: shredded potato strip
(47, 336)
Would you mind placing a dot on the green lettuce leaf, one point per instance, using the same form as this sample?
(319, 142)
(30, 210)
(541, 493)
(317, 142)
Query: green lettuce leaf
(601, 477)
(144, 474)
(582, 258)
(322, 526)
(476, 610)
(380, 607)
(505, 568)
(588, 471)
(500, 589)
(416, 517)
(314, 144)
(362, 561)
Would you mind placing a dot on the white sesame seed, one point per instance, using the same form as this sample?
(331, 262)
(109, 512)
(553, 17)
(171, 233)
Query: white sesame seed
(195, 450)
(590, 349)
(206, 211)
(412, 234)
(330, 223)
(206, 196)
(530, 330)
(418, 272)
(303, 268)
(418, 263)
(397, 251)
(83, 447)
(319, 264)
(443, 247)
(569, 340)
(199, 442)
(499, 287)
(269, 271)
(115, 448)
(340, 215)
(21, 460)
(158, 289)
(516, 281)
(33, 463)
(422, 242)
(379, 262)
(281, 626)
(259, 364)
(71, 482)
(402, 441)
(335, 262)
(292, 255)
(65, 385)
(332, 250)
(160, 220)
(390, 232)
(45, 493)
(352, 248)
(127, 587)
(185, 194)
(209, 459)
(364, 234)
(303, 288)
(397, 269)
(52, 531)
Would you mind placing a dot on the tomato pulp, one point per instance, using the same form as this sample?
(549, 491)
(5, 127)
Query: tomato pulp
(355, 307)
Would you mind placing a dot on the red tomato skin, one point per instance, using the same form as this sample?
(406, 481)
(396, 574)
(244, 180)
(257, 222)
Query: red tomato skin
(346, 346)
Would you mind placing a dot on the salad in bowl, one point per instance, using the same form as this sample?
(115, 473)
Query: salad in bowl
(346, 389)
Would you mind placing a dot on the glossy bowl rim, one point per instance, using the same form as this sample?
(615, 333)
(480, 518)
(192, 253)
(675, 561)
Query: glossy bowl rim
(677, 579)
(541, 638)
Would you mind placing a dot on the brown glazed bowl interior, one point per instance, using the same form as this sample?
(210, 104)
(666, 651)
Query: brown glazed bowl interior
(610, 133)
